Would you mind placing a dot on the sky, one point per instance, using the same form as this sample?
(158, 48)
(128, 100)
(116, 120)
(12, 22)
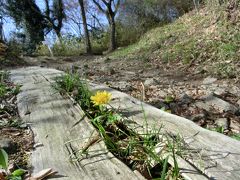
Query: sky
(9, 25)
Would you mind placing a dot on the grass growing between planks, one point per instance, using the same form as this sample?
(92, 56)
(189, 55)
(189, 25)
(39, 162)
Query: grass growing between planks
(147, 152)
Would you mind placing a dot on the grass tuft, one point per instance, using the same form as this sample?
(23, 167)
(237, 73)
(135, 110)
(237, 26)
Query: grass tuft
(136, 150)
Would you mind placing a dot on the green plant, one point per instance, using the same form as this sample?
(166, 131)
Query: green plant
(219, 129)
(3, 159)
(235, 136)
(67, 82)
(43, 50)
(225, 70)
(15, 49)
(133, 148)
(15, 175)
(66, 46)
(83, 94)
(3, 90)
(169, 99)
(76, 87)
(16, 90)
(113, 118)
(3, 76)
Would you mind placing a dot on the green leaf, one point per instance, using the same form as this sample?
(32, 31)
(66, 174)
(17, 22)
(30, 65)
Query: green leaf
(236, 136)
(113, 118)
(3, 159)
(164, 171)
(14, 177)
(18, 172)
(169, 99)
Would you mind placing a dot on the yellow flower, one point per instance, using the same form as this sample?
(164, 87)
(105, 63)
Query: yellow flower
(101, 97)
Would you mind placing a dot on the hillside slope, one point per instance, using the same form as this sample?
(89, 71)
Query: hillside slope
(204, 41)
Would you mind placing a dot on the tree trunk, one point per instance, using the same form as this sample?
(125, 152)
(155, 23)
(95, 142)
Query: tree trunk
(58, 32)
(86, 33)
(113, 45)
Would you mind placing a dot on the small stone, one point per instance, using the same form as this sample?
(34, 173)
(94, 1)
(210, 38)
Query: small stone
(198, 117)
(140, 71)
(217, 103)
(161, 105)
(237, 113)
(8, 145)
(23, 126)
(222, 122)
(219, 91)
(209, 80)
(150, 81)
(234, 90)
(161, 93)
(123, 86)
(130, 73)
(185, 99)
(202, 105)
(235, 127)
(238, 102)
(173, 107)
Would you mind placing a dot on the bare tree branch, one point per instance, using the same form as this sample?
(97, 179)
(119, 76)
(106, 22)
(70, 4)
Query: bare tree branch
(99, 6)
(117, 7)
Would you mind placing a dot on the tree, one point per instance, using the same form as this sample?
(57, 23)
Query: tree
(85, 27)
(110, 9)
(36, 23)
(27, 15)
(55, 15)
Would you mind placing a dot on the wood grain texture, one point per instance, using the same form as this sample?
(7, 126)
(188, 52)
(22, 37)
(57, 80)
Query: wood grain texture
(215, 155)
(60, 129)
(55, 121)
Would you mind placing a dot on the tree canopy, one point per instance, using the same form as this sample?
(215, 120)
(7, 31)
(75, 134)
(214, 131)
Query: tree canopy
(106, 17)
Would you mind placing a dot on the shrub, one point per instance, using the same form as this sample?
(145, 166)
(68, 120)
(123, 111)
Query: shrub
(43, 50)
(67, 46)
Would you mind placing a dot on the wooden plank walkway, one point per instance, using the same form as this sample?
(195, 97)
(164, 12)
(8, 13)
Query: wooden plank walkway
(56, 120)
(215, 155)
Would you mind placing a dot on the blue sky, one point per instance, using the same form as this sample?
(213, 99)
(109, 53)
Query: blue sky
(9, 25)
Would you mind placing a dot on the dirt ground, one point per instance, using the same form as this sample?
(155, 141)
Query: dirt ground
(208, 101)
(211, 102)
(16, 138)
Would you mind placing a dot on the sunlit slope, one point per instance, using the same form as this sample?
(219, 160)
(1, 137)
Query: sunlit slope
(208, 38)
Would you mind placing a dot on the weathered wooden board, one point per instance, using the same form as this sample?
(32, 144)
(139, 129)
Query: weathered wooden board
(56, 121)
(214, 154)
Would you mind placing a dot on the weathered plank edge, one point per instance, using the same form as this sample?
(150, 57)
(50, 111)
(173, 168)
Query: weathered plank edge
(200, 139)
(33, 108)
